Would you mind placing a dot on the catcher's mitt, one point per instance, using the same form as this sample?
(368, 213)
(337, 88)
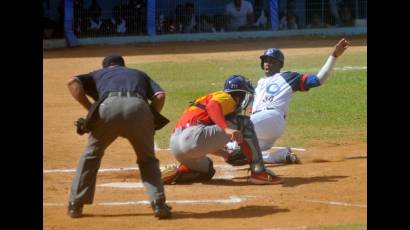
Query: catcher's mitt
(237, 158)
(81, 126)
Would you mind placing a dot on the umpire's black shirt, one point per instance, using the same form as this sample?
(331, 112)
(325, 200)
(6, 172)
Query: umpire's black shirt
(118, 79)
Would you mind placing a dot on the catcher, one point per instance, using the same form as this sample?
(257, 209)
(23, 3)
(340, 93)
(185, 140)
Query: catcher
(206, 126)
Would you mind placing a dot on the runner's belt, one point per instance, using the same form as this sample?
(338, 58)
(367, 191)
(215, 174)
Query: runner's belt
(268, 108)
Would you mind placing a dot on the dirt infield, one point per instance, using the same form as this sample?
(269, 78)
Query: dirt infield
(329, 188)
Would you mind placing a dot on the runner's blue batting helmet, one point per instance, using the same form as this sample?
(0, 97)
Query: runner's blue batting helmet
(273, 53)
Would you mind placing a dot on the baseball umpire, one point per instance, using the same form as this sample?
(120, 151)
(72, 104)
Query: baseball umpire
(273, 94)
(205, 127)
(121, 109)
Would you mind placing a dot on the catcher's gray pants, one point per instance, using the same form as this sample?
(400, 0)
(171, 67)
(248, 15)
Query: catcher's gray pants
(131, 118)
(191, 145)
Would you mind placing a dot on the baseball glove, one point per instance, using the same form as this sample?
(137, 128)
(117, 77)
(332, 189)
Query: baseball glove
(237, 158)
(81, 126)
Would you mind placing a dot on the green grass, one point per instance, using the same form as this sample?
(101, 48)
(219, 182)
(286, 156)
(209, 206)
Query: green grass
(334, 112)
(341, 227)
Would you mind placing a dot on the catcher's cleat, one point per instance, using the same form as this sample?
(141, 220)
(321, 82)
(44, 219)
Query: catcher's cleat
(266, 177)
(292, 158)
(170, 174)
(75, 210)
(183, 175)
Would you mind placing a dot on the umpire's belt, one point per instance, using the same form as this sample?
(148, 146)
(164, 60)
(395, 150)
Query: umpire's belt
(124, 94)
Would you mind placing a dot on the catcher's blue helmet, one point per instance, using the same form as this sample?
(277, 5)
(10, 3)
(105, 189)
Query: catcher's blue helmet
(273, 53)
(240, 84)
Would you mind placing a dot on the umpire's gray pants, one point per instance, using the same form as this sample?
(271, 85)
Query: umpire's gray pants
(131, 118)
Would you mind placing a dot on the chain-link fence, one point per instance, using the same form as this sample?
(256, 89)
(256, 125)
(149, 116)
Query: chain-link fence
(95, 18)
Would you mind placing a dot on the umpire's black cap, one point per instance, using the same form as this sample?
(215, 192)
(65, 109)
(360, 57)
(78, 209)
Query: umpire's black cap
(113, 59)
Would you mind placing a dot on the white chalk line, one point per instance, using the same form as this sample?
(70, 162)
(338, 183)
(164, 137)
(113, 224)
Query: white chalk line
(344, 68)
(229, 200)
(100, 170)
(336, 203)
(291, 228)
(276, 147)
(120, 169)
(138, 185)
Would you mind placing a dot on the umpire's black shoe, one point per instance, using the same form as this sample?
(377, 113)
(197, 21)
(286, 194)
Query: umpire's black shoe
(161, 209)
(75, 210)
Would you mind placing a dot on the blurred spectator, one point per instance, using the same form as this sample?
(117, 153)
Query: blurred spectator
(317, 22)
(48, 28)
(136, 17)
(118, 22)
(262, 14)
(190, 21)
(220, 23)
(179, 18)
(119, 25)
(94, 23)
(289, 20)
(94, 20)
(291, 10)
(346, 16)
(205, 24)
(262, 20)
(59, 29)
(240, 15)
(334, 6)
(169, 25)
(48, 24)
(53, 19)
(95, 9)
(288, 23)
(80, 22)
(291, 23)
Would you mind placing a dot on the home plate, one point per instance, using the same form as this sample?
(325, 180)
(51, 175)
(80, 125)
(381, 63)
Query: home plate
(292, 148)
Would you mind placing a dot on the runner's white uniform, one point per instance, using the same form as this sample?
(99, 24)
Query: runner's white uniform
(270, 105)
(272, 97)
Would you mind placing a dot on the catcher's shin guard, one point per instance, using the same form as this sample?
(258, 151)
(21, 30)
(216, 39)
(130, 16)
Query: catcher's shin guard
(250, 146)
